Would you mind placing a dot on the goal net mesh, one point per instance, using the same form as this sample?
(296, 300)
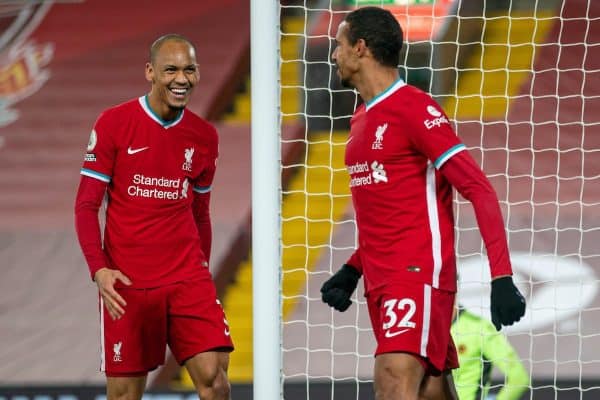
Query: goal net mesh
(521, 82)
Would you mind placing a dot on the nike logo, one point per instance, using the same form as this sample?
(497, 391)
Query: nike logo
(133, 151)
(389, 334)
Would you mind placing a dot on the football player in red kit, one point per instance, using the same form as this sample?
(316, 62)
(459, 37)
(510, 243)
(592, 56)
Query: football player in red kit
(403, 158)
(155, 160)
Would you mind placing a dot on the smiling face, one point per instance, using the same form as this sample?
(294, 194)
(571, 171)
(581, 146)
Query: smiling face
(344, 56)
(173, 73)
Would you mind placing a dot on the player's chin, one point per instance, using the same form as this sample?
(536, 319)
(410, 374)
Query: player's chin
(178, 104)
(346, 83)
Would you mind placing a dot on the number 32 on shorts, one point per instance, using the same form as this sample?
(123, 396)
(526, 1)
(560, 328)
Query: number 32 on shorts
(398, 316)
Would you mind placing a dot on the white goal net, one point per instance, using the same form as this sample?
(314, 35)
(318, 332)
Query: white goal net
(521, 82)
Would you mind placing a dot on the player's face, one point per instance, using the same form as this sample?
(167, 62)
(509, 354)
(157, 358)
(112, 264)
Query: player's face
(343, 56)
(173, 74)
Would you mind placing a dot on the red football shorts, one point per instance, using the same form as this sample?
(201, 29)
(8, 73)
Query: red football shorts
(185, 315)
(414, 318)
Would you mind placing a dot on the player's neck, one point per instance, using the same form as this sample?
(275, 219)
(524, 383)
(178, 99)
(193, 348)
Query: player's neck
(162, 110)
(376, 81)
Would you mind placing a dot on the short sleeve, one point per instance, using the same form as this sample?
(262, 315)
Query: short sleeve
(431, 132)
(101, 151)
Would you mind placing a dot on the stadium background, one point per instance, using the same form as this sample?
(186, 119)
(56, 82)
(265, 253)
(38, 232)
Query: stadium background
(61, 63)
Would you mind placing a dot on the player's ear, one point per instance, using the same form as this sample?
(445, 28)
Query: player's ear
(361, 48)
(149, 72)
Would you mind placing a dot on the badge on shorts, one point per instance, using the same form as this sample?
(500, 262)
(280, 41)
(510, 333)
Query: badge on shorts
(117, 351)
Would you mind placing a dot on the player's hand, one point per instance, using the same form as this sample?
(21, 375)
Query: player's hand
(336, 291)
(106, 278)
(507, 303)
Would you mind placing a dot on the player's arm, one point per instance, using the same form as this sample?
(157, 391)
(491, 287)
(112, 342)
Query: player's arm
(202, 187)
(507, 303)
(201, 211)
(468, 179)
(439, 143)
(95, 176)
(87, 204)
(355, 262)
(500, 352)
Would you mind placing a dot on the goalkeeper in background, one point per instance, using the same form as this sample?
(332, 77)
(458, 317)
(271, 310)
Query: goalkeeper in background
(480, 349)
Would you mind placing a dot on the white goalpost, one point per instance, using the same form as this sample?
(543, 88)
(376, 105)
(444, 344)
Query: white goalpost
(265, 198)
(521, 82)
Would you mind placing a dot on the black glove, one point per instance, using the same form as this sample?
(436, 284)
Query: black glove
(336, 291)
(507, 303)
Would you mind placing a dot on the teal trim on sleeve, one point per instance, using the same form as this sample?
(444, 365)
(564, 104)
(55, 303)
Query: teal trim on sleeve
(95, 175)
(447, 154)
(202, 189)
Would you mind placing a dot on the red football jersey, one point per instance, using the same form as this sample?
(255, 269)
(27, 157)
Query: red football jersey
(403, 205)
(151, 167)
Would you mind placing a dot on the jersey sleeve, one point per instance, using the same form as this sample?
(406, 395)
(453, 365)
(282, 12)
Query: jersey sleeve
(430, 131)
(200, 209)
(355, 261)
(203, 183)
(202, 187)
(101, 151)
(87, 204)
(464, 174)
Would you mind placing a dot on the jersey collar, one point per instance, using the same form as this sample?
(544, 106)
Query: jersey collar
(385, 94)
(143, 100)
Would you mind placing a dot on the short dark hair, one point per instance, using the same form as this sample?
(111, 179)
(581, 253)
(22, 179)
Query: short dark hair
(381, 32)
(165, 38)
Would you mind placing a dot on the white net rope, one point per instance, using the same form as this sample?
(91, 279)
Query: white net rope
(521, 82)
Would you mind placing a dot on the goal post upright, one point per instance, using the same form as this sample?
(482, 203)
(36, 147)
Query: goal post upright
(266, 204)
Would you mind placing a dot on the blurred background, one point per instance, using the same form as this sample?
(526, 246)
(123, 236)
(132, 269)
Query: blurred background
(520, 79)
